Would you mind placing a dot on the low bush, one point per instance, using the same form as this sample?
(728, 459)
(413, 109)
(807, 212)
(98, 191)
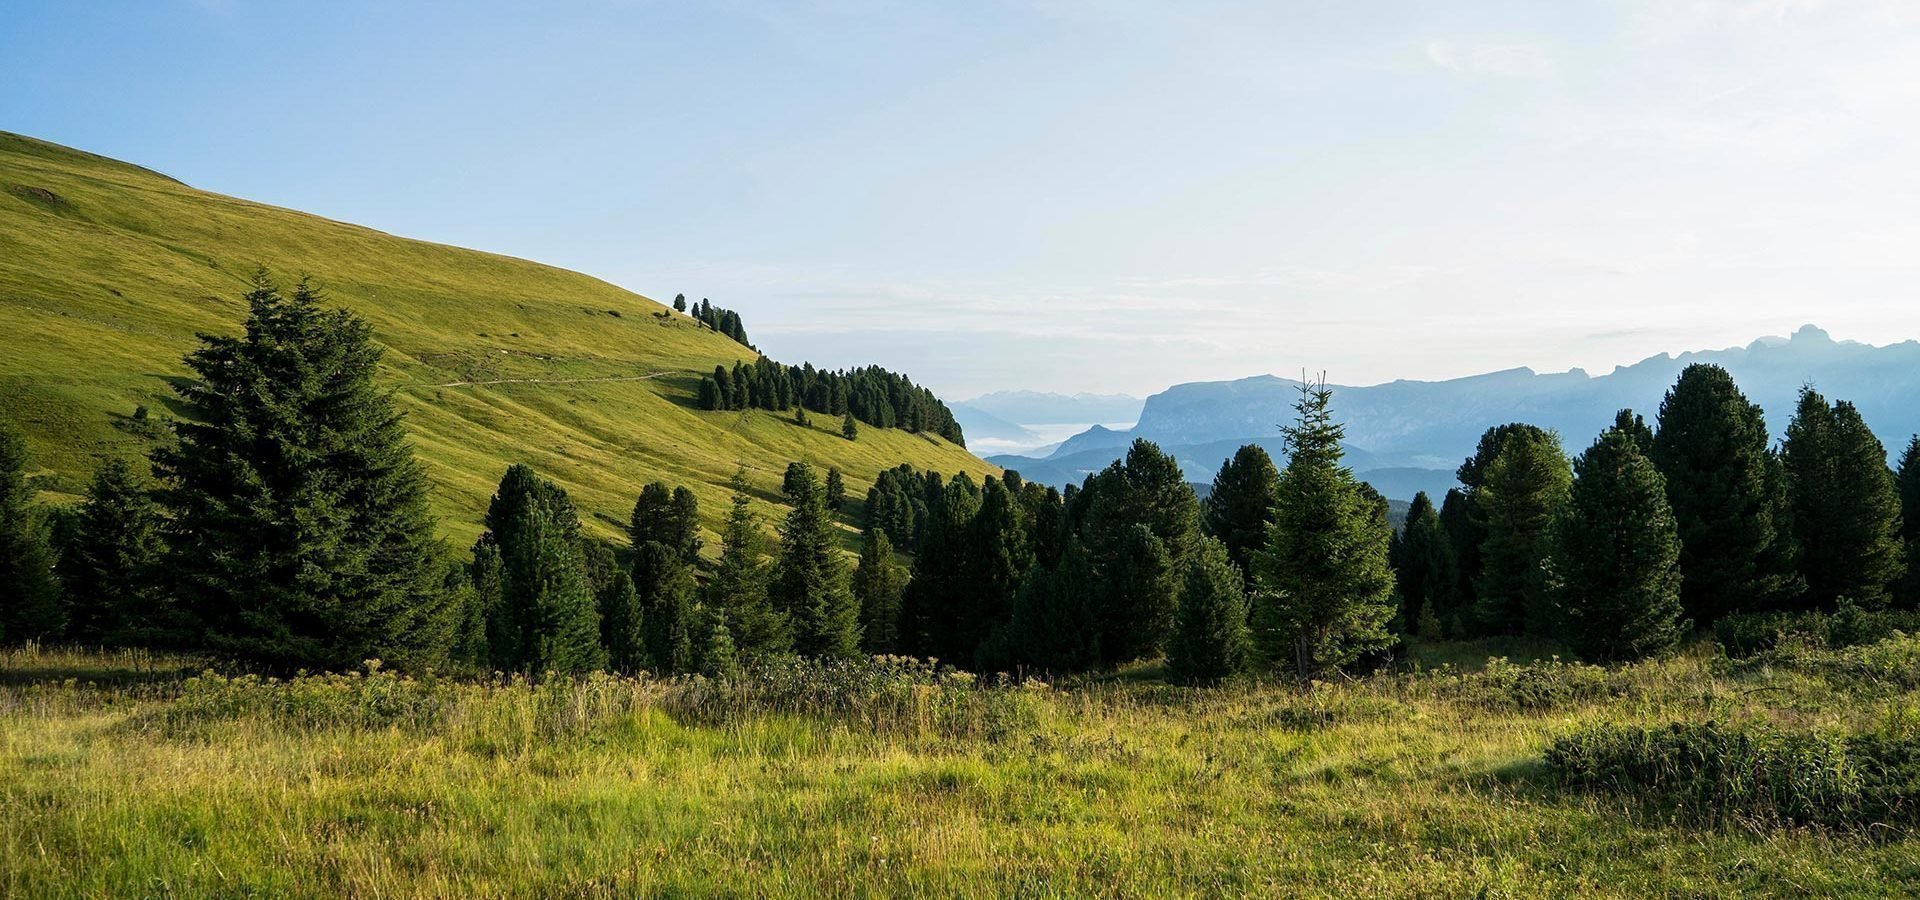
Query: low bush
(1757, 775)
(1530, 687)
(1748, 634)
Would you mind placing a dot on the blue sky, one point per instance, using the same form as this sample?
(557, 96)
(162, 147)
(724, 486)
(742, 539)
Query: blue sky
(1073, 194)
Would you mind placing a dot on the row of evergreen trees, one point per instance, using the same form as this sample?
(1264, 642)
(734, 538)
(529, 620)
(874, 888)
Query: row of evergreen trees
(724, 321)
(1656, 527)
(869, 394)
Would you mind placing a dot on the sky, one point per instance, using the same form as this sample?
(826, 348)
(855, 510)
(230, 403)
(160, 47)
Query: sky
(1072, 195)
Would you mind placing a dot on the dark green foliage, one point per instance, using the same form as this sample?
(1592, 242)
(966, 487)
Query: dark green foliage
(1240, 507)
(1326, 592)
(937, 596)
(870, 394)
(736, 596)
(670, 620)
(623, 625)
(878, 584)
(110, 568)
(724, 321)
(1210, 639)
(1846, 506)
(1714, 773)
(29, 594)
(1616, 554)
(679, 303)
(897, 504)
(1736, 548)
(1745, 634)
(836, 490)
(1054, 626)
(1635, 427)
(300, 535)
(668, 518)
(1422, 566)
(1520, 491)
(546, 618)
(1450, 592)
(1137, 520)
(1907, 482)
(469, 651)
(810, 580)
(997, 554)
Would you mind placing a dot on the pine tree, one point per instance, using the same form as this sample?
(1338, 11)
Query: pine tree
(723, 388)
(1326, 590)
(1616, 554)
(1465, 534)
(1240, 507)
(664, 587)
(1520, 493)
(737, 593)
(998, 552)
(1209, 640)
(938, 594)
(810, 581)
(30, 606)
(1634, 426)
(623, 625)
(836, 490)
(1449, 589)
(680, 303)
(878, 583)
(300, 534)
(1736, 547)
(1907, 481)
(1054, 627)
(849, 429)
(546, 618)
(711, 395)
(1415, 557)
(1846, 506)
(110, 569)
(1135, 586)
(669, 518)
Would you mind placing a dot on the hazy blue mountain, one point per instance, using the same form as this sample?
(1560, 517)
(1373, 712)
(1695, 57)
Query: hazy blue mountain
(991, 430)
(1036, 408)
(1415, 432)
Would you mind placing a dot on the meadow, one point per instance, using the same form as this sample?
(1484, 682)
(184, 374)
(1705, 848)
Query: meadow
(138, 774)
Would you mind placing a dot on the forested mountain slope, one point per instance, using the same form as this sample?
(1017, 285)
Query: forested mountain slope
(108, 270)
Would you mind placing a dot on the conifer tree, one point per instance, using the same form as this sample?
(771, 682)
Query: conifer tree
(711, 395)
(723, 388)
(737, 593)
(1450, 591)
(623, 625)
(849, 429)
(1846, 507)
(670, 621)
(1326, 590)
(1616, 554)
(547, 618)
(1634, 426)
(110, 568)
(30, 606)
(1520, 493)
(1466, 534)
(300, 534)
(1210, 639)
(997, 554)
(669, 518)
(810, 581)
(878, 583)
(1054, 626)
(1415, 557)
(836, 490)
(938, 592)
(1240, 506)
(1736, 547)
(1134, 591)
(680, 303)
(1907, 481)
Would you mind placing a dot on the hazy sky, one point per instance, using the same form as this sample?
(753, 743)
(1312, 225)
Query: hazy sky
(1073, 194)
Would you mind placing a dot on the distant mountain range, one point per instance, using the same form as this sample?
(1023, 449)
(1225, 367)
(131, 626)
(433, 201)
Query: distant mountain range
(1032, 424)
(1407, 436)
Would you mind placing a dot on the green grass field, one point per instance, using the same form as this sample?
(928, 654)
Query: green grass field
(120, 777)
(108, 270)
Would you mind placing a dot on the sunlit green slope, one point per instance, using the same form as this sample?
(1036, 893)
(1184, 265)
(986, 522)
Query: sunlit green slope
(107, 271)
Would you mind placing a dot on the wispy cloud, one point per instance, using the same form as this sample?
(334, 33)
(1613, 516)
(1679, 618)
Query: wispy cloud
(1503, 60)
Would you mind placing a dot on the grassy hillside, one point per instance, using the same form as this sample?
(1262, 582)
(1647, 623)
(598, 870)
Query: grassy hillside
(108, 270)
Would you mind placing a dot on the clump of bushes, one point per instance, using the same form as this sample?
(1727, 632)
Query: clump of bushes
(1753, 774)
(1893, 663)
(1532, 687)
(1748, 634)
(896, 695)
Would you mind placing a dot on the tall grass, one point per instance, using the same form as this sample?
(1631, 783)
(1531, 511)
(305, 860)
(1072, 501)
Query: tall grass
(148, 776)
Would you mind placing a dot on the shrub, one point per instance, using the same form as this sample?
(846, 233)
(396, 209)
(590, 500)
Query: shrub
(1748, 634)
(1539, 686)
(1754, 774)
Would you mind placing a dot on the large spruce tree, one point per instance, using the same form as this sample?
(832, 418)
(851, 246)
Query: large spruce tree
(300, 535)
(1240, 506)
(1846, 506)
(110, 568)
(1326, 592)
(878, 583)
(623, 625)
(1616, 554)
(30, 607)
(671, 620)
(1520, 493)
(670, 518)
(545, 617)
(737, 593)
(1907, 481)
(1419, 561)
(810, 580)
(1727, 493)
(1210, 639)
